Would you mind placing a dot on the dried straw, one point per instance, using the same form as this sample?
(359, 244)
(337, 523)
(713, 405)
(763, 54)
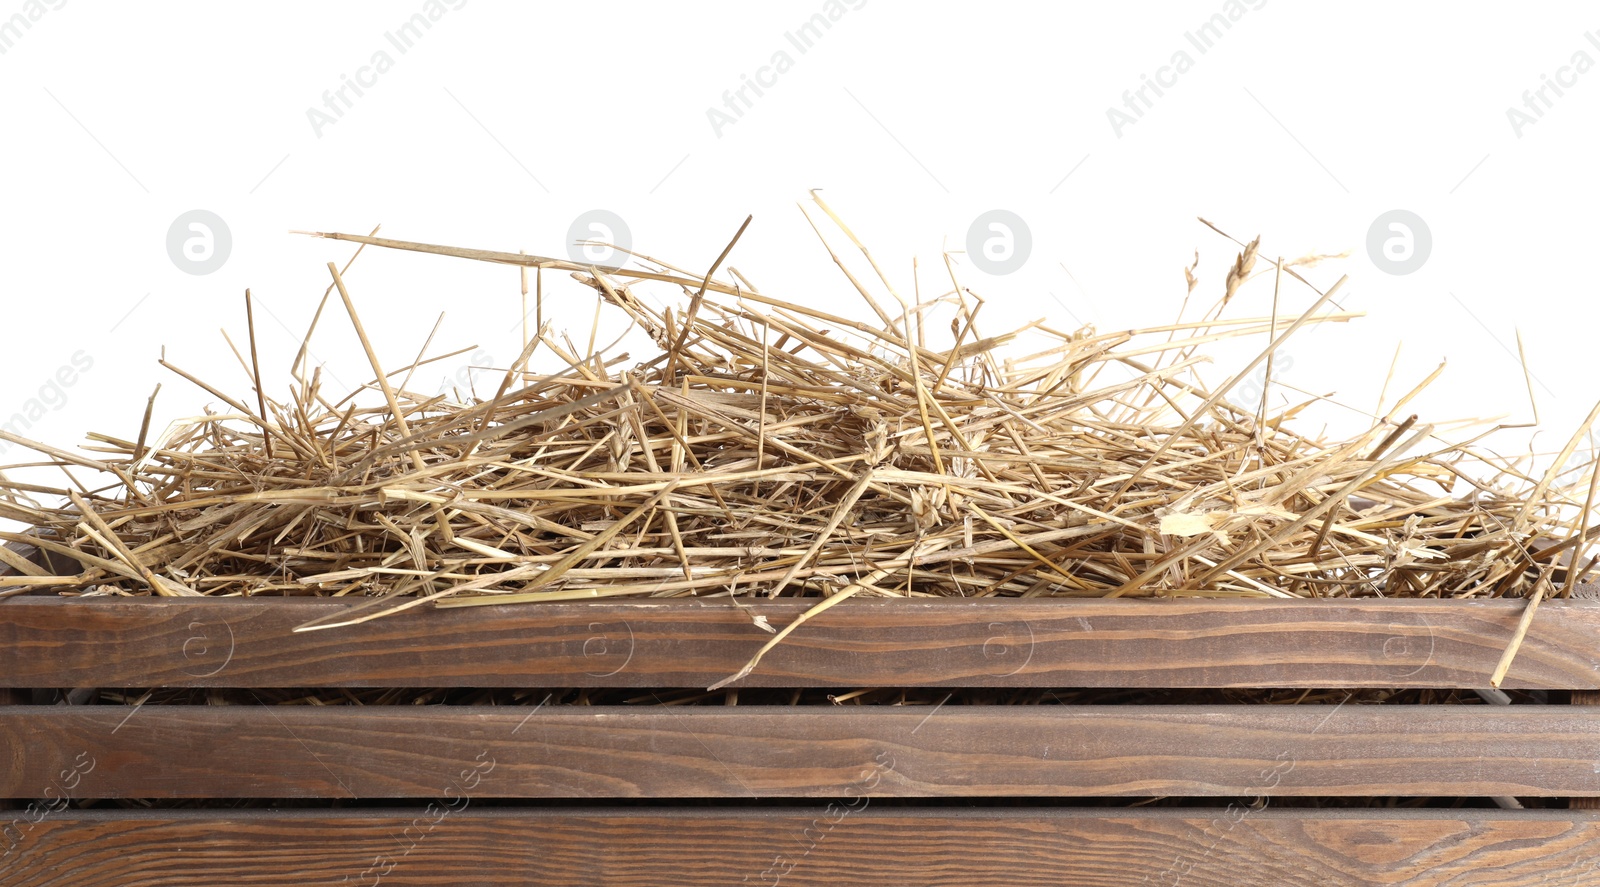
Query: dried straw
(771, 447)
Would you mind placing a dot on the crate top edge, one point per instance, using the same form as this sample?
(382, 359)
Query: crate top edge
(957, 808)
(1044, 605)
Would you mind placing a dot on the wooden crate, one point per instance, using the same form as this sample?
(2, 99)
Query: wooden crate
(640, 796)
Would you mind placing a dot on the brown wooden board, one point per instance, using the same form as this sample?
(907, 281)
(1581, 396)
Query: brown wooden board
(63, 642)
(811, 847)
(652, 751)
(8, 696)
(1585, 697)
(51, 563)
(24, 551)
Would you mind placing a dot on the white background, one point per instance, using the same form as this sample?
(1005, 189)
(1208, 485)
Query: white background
(503, 123)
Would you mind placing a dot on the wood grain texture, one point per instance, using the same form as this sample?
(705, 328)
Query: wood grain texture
(775, 751)
(9, 696)
(55, 642)
(24, 551)
(54, 563)
(1585, 697)
(820, 847)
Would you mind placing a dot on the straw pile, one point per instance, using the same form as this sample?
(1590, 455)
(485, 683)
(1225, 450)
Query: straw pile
(770, 448)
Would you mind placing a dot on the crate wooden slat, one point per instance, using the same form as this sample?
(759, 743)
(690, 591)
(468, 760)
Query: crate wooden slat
(852, 755)
(811, 847)
(57, 642)
(782, 751)
(8, 696)
(1588, 698)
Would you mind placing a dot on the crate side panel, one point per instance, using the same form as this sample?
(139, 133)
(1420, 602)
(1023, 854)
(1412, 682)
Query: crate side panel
(775, 751)
(820, 847)
(54, 642)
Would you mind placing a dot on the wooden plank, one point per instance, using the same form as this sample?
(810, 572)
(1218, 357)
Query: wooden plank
(24, 551)
(48, 641)
(777, 751)
(1585, 697)
(9, 696)
(812, 847)
(53, 563)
